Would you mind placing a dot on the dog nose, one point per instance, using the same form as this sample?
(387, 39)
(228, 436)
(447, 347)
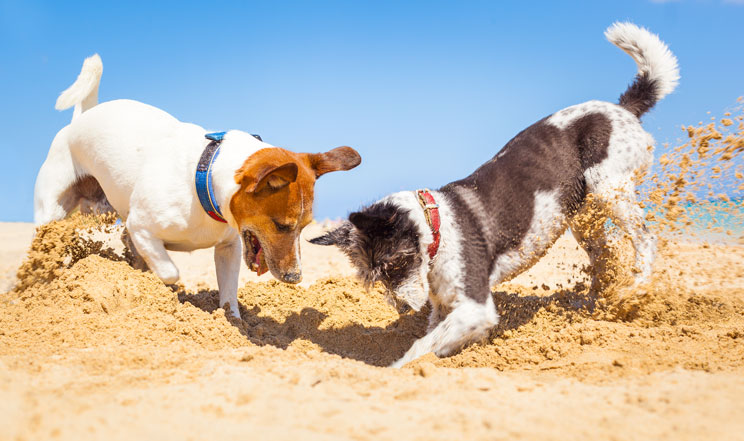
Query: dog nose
(294, 277)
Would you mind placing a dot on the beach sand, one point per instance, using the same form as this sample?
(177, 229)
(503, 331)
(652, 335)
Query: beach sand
(101, 351)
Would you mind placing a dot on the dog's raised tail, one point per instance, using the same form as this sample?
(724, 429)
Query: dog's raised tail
(658, 73)
(83, 94)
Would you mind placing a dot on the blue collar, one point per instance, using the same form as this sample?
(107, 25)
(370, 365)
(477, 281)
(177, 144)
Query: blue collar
(203, 178)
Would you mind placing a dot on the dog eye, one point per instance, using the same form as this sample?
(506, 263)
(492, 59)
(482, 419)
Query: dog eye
(282, 228)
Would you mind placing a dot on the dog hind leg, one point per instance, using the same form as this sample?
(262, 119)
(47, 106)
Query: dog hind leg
(92, 198)
(628, 215)
(588, 228)
(55, 193)
(625, 211)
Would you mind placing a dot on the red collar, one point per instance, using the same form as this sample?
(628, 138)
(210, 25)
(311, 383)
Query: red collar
(431, 213)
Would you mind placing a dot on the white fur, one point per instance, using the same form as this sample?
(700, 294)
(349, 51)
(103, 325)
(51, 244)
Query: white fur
(564, 117)
(611, 181)
(471, 199)
(145, 159)
(83, 93)
(447, 273)
(548, 223)
(650, 54)
(468, 321)
(440, 280)
(455, 319)
(415, 290)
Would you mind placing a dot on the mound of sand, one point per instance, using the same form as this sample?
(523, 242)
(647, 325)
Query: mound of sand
(75, 292)
(85, 337)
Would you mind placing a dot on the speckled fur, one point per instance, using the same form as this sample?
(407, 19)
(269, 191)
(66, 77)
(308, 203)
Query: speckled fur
(501, 219)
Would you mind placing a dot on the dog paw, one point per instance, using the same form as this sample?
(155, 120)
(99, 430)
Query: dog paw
(232, 310)
(398, 364)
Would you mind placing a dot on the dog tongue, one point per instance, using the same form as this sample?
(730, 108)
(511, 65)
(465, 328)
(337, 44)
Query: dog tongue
(260, 262)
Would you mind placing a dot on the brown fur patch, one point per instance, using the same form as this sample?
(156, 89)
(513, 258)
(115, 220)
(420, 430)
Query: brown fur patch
(275, 200)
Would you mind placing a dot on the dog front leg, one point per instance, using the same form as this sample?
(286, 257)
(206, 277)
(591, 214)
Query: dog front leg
(468, 321)
(135, 258)
(227, 264)
(153, 251)
(437, 314)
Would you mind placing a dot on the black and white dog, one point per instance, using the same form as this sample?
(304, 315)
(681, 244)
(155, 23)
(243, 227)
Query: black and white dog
(500, 220)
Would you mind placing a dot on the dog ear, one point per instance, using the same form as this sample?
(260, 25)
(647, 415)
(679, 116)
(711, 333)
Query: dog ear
(273, 177)
(339, 236)
(381, 218)
(340, 158)
(364, 221)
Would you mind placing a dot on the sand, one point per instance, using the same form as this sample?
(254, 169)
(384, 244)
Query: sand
(92, 348)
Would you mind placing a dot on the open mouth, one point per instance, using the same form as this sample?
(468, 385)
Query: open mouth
(253, 253)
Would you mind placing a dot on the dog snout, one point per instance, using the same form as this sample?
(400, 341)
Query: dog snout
(292, 277)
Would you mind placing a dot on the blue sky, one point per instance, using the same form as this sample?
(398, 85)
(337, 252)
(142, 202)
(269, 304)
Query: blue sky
(425, 91)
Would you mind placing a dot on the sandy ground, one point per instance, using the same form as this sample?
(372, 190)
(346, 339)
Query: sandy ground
(101, 351)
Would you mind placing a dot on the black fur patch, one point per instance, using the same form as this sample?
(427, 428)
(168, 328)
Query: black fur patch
(382, 242)
(540, 158)
(339, 237)
(640, 96)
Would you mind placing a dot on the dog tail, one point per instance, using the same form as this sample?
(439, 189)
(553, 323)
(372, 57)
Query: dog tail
(83, 94)
(658, 73)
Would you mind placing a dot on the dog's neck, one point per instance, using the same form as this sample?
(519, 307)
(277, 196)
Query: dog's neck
(236, 148)
(408, 202)
(444, 272)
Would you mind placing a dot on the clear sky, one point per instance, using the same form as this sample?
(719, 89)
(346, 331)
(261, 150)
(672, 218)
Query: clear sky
(425, 91)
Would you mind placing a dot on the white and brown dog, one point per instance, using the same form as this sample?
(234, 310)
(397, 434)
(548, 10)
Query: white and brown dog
(452, 245)
(178, 188)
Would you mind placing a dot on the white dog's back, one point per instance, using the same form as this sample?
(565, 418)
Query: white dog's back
(128, 135)
(108, 137)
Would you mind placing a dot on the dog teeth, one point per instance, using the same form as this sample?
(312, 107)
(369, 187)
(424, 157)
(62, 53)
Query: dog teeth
(251, 242)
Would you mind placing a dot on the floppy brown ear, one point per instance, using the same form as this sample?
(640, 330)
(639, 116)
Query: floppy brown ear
(274, 177)
(340, 158)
